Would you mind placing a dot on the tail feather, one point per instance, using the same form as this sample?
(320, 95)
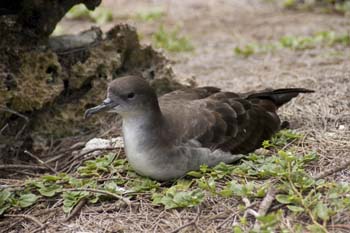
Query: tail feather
(279, 96)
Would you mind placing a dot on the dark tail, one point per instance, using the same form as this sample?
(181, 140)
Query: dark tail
(279, 96)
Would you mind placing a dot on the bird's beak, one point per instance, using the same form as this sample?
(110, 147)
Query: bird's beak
(106, 105)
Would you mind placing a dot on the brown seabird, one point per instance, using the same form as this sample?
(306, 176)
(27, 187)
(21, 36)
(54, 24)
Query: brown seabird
(168, 136)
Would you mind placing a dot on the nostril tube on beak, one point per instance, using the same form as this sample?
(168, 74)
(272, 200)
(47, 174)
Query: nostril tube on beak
(106, 104)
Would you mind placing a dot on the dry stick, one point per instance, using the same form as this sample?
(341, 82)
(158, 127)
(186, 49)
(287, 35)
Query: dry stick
(22, 166)
(267, 201)
(193, 222)
(6, 109)
(11, 225)
(233, 214)
(333, 170)
(344, 226)
(60, 154)
(125, 200)
(266, 204)
(40, 161)
(76, 210)
(72, 163)
(26, 216)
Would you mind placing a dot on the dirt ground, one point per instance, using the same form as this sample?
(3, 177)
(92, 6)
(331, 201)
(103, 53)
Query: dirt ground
(215, 28)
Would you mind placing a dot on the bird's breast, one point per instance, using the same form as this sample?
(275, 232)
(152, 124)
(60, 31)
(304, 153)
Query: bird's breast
(140, 153)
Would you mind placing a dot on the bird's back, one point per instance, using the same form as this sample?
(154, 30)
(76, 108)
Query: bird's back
(236, 123)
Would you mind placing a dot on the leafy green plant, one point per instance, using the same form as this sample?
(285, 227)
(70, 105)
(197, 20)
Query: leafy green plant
(300, 195)
(248, 189)
(174, 197)
(5, 200)
(99, 166)
(281, 138)
(327, 6)
(72, 198)
(171, 40)
(21, 200)
(100, 15)
(143, 184)
(150, 15)
(324, 38)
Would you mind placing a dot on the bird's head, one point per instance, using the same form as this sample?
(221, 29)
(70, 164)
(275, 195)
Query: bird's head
(127, 95)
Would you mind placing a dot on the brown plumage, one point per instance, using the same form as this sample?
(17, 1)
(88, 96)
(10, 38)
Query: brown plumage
(167, 137)
(237, 123)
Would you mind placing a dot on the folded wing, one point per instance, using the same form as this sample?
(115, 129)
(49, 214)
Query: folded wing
(237, 123)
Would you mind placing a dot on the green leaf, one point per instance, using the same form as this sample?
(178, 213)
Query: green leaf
(207, 184)
(4, 200)
(71, 198)
(196, 174)
(113, 187)
(98, 166)
(322, 211)
(151, 15)
(143, 184)
(26, 200)
(282, 198)
(50, 190)
(4, 196)
(177, 199)
(269, 220)
(295, 208)
(315, 228)
(50, 178)
(4, 207)
(171, 40)
(237, 229)
(100, 15)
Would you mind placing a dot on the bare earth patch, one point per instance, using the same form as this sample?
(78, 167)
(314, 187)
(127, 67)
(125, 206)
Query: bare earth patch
(215, 28)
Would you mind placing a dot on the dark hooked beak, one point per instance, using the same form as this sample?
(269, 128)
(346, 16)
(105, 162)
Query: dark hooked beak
(106, 105)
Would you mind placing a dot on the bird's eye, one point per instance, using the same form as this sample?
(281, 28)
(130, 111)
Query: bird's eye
(131, 95)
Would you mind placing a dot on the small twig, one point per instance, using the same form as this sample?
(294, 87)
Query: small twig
(11, 224)
(343, 226)
(22, 166)
(76, 209)
(266, 204)
(267, 201)
(251, 212)
(333, 170)
(247, 206)
(93, 150)
(193, 222)
(6, 109)
(40, 161)
(29, 217)
(3, 128)
(125, 200)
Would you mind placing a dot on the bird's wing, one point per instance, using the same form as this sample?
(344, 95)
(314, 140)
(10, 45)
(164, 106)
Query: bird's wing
(225, 120)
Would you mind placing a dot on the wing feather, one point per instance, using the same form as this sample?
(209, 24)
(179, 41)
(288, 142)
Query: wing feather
(219, 120)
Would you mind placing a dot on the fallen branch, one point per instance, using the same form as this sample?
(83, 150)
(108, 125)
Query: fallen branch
(333, 170)
(29, 217)
(72, 163)
(40, 161)
(266, 204)
(21, 166)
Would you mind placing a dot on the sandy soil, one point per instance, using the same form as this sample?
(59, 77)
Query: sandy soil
(215, 28)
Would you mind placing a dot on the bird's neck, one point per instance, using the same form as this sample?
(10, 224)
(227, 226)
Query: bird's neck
(144, 129)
